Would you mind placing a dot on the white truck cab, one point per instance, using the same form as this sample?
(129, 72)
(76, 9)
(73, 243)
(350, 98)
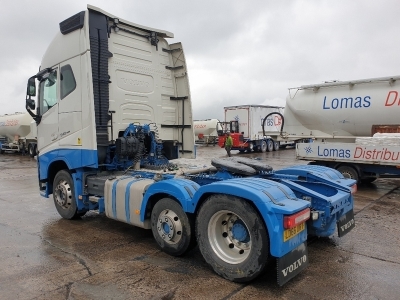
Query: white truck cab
(100, 74)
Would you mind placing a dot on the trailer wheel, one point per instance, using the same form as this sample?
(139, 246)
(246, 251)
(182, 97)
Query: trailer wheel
(172, 229)
(232, 238)
(270, 145)
(348, 172)
(64, 196)
(263, 146)
(276, 145)
(31, 150)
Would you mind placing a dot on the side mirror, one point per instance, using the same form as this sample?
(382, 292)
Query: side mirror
(30, 103)
(31, 88)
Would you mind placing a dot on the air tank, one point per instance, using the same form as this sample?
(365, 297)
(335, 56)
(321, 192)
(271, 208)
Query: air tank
(18, 124)
(344, 108)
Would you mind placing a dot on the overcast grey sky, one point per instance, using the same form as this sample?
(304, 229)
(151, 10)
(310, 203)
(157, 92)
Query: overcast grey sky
(238, 52)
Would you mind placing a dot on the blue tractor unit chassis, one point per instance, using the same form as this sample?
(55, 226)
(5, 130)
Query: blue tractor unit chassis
(113, 108)
(240, 212)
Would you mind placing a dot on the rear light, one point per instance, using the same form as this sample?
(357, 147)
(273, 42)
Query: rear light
(296, 219)
(353, 188)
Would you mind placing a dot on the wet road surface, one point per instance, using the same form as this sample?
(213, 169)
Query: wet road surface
(43, 256)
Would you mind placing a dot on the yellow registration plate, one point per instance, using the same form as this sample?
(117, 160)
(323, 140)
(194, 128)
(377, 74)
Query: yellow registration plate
(289, 233)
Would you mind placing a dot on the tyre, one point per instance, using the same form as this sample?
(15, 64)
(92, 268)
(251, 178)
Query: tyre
(276, 145)
(263, 146)
(172, 229)
(64, 195)
(31, 150)
(270, 145)
(232, 237)
(348, 172)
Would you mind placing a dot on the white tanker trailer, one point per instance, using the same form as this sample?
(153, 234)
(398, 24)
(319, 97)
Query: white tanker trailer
(19, 133)
(205, 131)
(340, 119)
(343, 110)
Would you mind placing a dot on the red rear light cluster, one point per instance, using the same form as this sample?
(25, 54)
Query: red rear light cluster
(296, 219)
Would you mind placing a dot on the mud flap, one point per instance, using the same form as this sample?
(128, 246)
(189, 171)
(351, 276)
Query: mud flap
(346, 223)
(292, 264)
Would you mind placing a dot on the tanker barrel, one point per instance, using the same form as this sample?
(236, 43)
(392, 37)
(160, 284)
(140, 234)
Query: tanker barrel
(15, 125)
(205, 127)
(344, 109)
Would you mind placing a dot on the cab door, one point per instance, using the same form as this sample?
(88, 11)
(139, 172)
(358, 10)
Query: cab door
(48, 110)
(70, 105)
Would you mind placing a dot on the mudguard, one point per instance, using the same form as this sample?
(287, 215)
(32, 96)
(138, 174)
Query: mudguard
(328, 191)
(272, 199)
(329, 202)
(318, 174)
(181, 189)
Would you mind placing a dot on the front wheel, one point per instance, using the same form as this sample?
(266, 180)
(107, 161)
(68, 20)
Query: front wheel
(232, 238)
(172, 229)
(64, 195)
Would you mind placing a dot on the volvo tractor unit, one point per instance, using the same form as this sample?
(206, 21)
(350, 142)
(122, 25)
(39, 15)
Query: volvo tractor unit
(113, 112)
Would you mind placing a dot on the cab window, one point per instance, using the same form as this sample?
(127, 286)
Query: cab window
(48, 92)
(67, 79)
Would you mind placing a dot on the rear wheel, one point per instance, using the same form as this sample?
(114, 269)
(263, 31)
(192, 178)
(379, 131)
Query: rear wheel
(263, 146)
(270, 145)
(64, 195)
(232, 238)
(32, 150)
(349, 172)
(276, 145)
(172, 228)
